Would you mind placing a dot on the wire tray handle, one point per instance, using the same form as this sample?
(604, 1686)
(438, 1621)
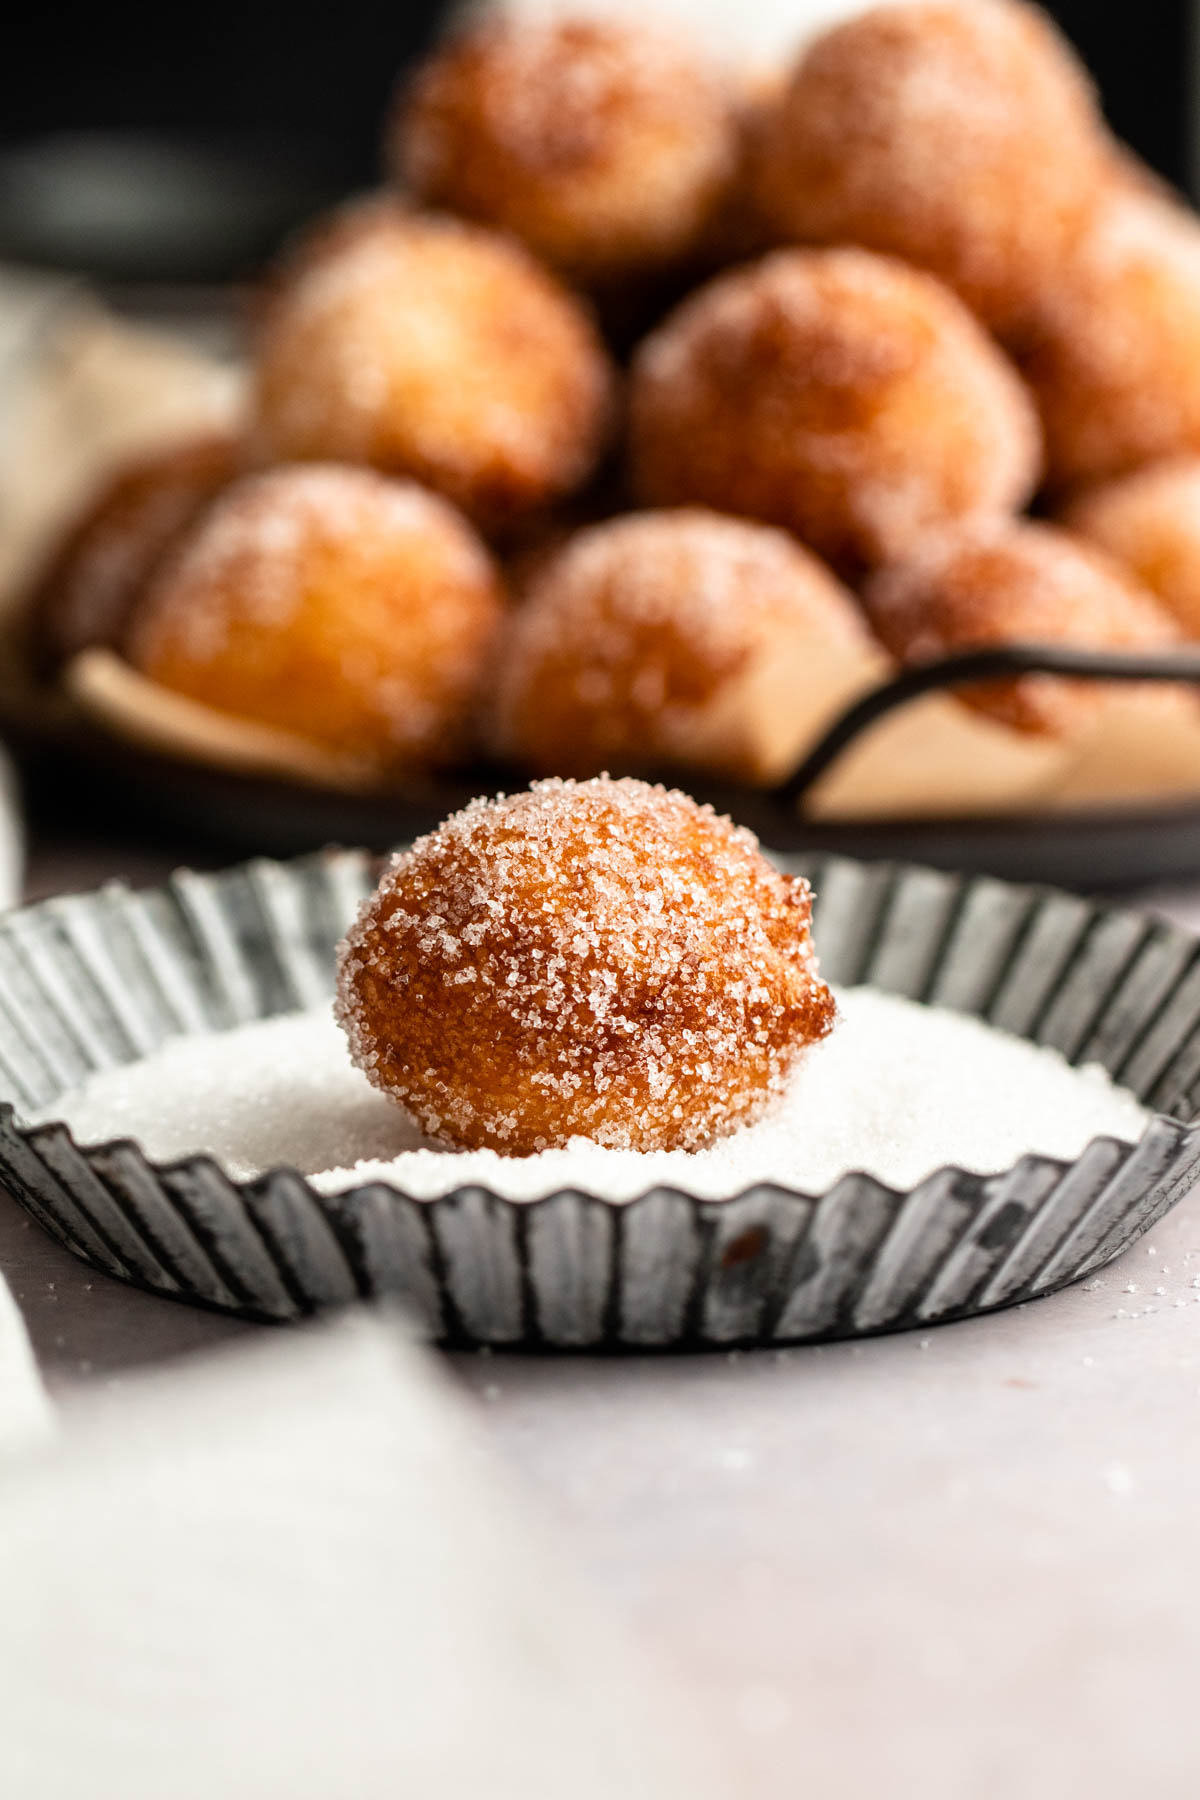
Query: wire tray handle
(968, 666)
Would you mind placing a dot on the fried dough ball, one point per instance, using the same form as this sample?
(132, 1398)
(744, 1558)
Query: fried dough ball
(837, 393)
(678, 640)
(605, 960)
(1113, 355)
(431, 349)
(1150, 522)
(607, 145)
(741, 227)
(363, 216)
(964, 139)
(1006, 581)
(352, 611)
(90, 589)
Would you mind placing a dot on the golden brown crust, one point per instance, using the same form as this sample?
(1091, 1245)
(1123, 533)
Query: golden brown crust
(1150, 522)
(741, 227)
(1113, 352)
(606, 960)
(965, 139)
(360, 217)
(352, 611)
(431, 349)
(1005, 581)
(91, 588)
(608, 146)
(840, 394)
(639, 642)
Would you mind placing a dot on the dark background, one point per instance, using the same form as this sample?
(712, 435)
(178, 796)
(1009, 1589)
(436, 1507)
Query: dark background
(315, 77)
(1142, 58)
(180, 143)
(273, 109)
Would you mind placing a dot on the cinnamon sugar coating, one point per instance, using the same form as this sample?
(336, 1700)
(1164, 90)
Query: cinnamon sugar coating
(1008, 581)
(835, 392)
(1150, 522)
(1113, 351)
(89, 591)
(607, 145)
(353, 611)
(964, 139)
(432, 349)
(741, 227)
(642, 642)
(604, 960)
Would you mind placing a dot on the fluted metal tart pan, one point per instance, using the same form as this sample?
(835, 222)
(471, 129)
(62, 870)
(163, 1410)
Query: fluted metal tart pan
(104, 978)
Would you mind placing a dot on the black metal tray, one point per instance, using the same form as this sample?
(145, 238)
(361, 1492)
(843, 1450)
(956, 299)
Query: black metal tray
(107, 782)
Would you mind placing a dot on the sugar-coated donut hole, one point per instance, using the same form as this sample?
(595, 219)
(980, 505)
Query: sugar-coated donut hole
(91, 587)
(1002, 581)
(354, 611)
(429, 348)
(741, 228)
(607, 145)
(649, 641)
(964, 139)
(1112, 351)
(837, 393)
(604, 960)
(1150, 522)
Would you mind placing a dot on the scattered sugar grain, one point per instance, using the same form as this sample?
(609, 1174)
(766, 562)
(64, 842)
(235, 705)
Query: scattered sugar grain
(899, 1090)
(1118, 1480)
(734, 1459)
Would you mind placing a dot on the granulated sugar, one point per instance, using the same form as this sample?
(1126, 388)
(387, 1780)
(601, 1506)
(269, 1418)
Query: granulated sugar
(898, 1090)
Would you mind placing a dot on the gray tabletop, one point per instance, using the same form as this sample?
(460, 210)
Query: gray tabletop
(960, 1563)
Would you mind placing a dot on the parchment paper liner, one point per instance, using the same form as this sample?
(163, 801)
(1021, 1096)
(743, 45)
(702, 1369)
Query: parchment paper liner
(933, 758)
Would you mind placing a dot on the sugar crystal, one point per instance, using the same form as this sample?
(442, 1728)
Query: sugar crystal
(899, 1089)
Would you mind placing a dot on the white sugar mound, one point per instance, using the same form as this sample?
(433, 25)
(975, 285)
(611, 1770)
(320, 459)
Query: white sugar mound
(899, 1090)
